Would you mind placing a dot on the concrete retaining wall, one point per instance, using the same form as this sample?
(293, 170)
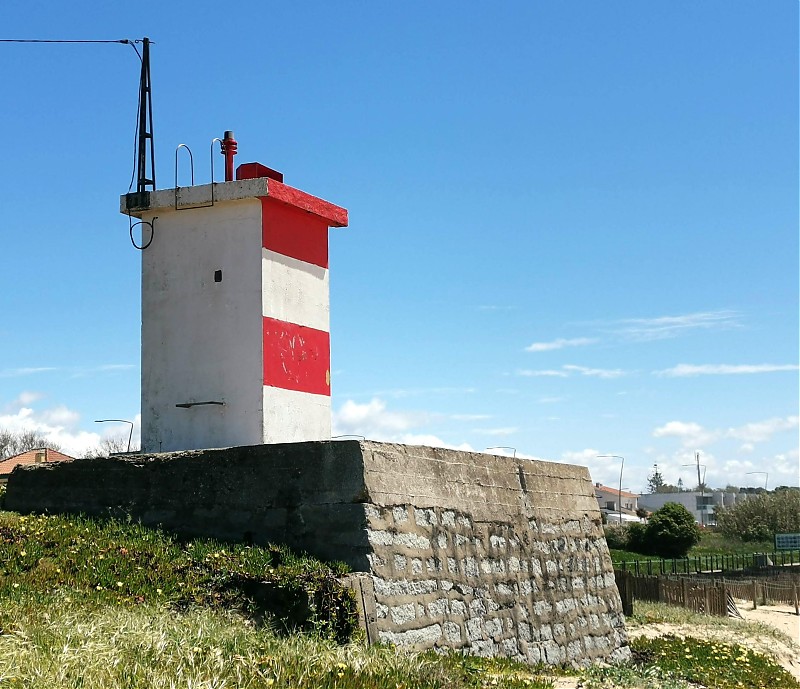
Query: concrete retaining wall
(492, 555)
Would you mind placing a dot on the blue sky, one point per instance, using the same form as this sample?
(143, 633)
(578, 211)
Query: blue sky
(574, 226)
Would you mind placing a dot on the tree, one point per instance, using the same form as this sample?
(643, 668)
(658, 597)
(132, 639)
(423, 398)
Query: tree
(16, 442)
(671, 531)
(761, 516)
(109, 446)
(655, 481)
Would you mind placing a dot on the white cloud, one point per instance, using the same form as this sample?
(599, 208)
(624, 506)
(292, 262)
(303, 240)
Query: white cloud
(559, 343)
(58, 424)
(663, 327)
(470, 417)
(686, 370)
(398, 393)
(550, 373)
(689, 433)
(761, 431)
(74, 371)
(374, 421)
(595, 372)
(18, 372)
(568, 369)
(371, 419)
(692, 434)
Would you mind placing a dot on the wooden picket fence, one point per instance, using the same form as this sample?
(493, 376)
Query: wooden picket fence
(704, 595)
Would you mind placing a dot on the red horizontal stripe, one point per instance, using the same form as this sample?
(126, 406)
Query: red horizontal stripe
(296, 357)
(294, 232)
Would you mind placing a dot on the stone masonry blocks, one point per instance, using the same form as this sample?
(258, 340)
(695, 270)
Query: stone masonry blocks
(484, 554)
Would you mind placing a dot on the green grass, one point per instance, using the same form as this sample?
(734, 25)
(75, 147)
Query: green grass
(711, 543)
(66, 641)
(711, 663)
(103, 604)
(129, 564)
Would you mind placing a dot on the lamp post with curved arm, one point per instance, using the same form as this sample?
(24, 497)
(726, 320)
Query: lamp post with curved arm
(766, 476)
(130, 435)
(621, 464)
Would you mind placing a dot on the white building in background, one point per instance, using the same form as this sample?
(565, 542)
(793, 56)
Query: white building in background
(700, 505)
(610, 499)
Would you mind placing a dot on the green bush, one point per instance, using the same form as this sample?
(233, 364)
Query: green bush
(671, 531)
(637, 538)
(761, 516)
(616, 536)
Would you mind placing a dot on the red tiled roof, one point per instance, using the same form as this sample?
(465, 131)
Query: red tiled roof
(45, 454)
(616, 491)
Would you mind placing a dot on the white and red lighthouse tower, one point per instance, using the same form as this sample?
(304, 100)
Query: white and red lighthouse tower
(235, 312)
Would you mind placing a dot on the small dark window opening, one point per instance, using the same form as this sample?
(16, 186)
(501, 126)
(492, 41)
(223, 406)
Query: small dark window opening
(217, 276)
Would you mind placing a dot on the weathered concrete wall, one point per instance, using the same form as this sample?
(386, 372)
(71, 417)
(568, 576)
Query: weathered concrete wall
(488, 554)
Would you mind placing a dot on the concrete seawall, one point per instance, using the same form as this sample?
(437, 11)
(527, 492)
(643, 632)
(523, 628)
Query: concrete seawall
(486, 554)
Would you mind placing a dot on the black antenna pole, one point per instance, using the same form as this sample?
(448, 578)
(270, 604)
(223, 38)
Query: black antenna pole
(145, 126)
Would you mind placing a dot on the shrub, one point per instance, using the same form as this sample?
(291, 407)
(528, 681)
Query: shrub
(616, 536)
(671, 531)
(637, 538)
(761, 516)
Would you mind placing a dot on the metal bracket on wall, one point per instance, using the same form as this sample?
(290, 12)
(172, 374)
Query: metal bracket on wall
(189, 405)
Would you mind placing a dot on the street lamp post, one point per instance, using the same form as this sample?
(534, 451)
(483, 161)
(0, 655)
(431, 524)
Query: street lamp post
(619, 499)
(766, 476)
(130, 435)
(701, 484)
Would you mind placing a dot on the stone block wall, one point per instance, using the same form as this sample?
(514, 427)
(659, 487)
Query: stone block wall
(541, 593)
(489, 555)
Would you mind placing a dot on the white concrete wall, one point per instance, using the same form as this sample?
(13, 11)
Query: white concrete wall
(201, 339)
(295, 291)
(292, 417)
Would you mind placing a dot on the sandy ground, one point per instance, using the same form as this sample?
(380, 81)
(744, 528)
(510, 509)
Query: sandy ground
(751, 634)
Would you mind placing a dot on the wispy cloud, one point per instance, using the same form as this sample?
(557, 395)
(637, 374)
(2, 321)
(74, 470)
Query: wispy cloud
(398, 393)
(75, 371)
(595, 372)
(560, 343)
(664, 327)
(547, 373)
(470, 417)
(689, 370)
(760, 431)
(569, 369)
(28, 371)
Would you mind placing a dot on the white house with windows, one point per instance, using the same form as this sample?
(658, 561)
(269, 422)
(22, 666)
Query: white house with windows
(611, 499)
